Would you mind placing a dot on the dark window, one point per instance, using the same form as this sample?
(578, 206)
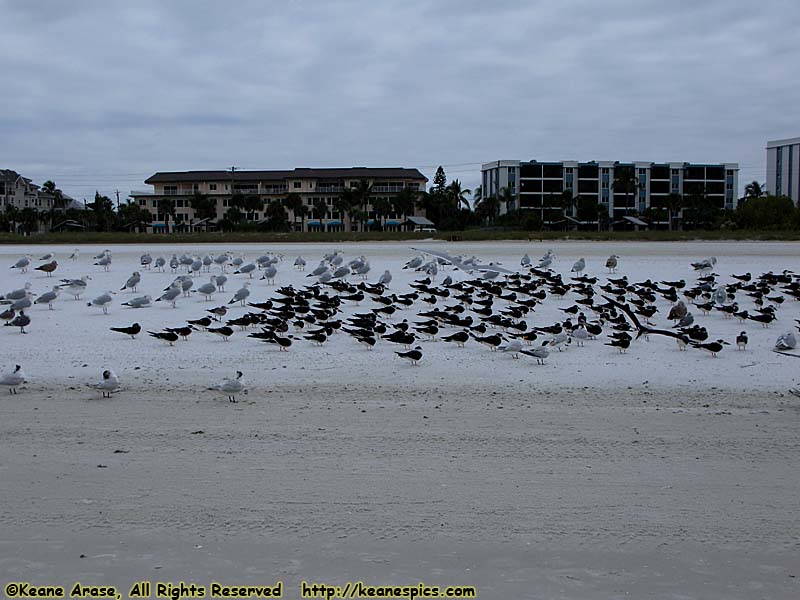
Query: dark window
(659, 172)
(715, 173)
(533, 185)
(715, 187)
(296, 185)
(530, 170)
(659, 187)
(552, 186)
(587, 186)
(587, 171)
(695, 173)
(212, 187)
(693, 187)
(552, 171)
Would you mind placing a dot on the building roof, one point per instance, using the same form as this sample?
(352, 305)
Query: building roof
(783, 142)
(8, 175)
(299, 173)
(420, 221)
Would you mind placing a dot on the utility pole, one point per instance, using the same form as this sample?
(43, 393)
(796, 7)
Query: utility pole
(117, 193)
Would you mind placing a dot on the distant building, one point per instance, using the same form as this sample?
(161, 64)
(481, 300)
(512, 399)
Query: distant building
(541, 186)
(314, 186)
(783, 168)
(21, 192)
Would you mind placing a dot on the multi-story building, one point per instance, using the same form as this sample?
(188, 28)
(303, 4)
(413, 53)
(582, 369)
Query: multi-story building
(783, 168)
(624, 191)
(314, 186)
(21, 192)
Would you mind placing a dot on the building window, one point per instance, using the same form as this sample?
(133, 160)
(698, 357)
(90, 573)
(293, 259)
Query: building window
(296, 185)
(605, 194)
(170, 190)
(212, 187)
(605, 171)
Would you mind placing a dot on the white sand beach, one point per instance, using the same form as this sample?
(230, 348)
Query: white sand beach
(651, 474)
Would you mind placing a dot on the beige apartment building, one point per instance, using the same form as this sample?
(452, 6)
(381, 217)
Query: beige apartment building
(314, 186)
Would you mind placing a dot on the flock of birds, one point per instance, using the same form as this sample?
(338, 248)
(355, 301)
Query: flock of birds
(490, 305)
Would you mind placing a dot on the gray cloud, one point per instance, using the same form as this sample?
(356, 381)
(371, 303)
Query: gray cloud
(100, 94)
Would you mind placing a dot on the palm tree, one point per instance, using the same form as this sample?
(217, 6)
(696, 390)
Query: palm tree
(753, 190)
(567, 202)
(382, 208)
(673, 204)
(362, 191)
(252, 204)
(294, 202)
(166, 207)
(12, 215)
(203, 205)
(319, 209)
(404, 202)
(508, 199)
(458, 195)
(345, 204)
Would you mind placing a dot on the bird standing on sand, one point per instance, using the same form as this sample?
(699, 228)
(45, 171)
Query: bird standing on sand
(108, 384)
(48, 268)
(231, 386)
(22, 264)
(414, 356)
(579, 266)
(14, 379)
(741, 341)
(132, 282)
(611, 263)
(21, 320)
(49, 297)
(102, 301)
(132, 331)
(241, 294)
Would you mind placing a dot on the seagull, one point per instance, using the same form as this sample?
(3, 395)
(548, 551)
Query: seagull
(22, 264)
(47, 256)
(208, 289)
(108, 384)
(241, 294)
(102, 301)
(269, 274)
(685, 321)
(132, 331)
(246, 269)
(75, 255)
(300, 263)
(160, 262)
(104, 262)
(132, 282)
(786, 341)
(48, 268)
(139, 302)
(514, 347)
(14, 379)
(171, 295)
(579, 266)
(21, 320)
(540, 353)
(611, 263)
(146, 260)
(49, 297)
(231, 386)
(22, 303)
(705, 265)
(385, 279)
(18, 294)
(221, 280)
(525, 261)
(75, 287)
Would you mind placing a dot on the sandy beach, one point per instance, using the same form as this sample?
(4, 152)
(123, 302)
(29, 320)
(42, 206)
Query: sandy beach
(651, 474)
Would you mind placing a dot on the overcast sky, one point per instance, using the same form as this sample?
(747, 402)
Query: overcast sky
(101, 94)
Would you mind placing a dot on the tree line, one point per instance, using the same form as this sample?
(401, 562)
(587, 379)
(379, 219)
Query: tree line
(447, 205)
